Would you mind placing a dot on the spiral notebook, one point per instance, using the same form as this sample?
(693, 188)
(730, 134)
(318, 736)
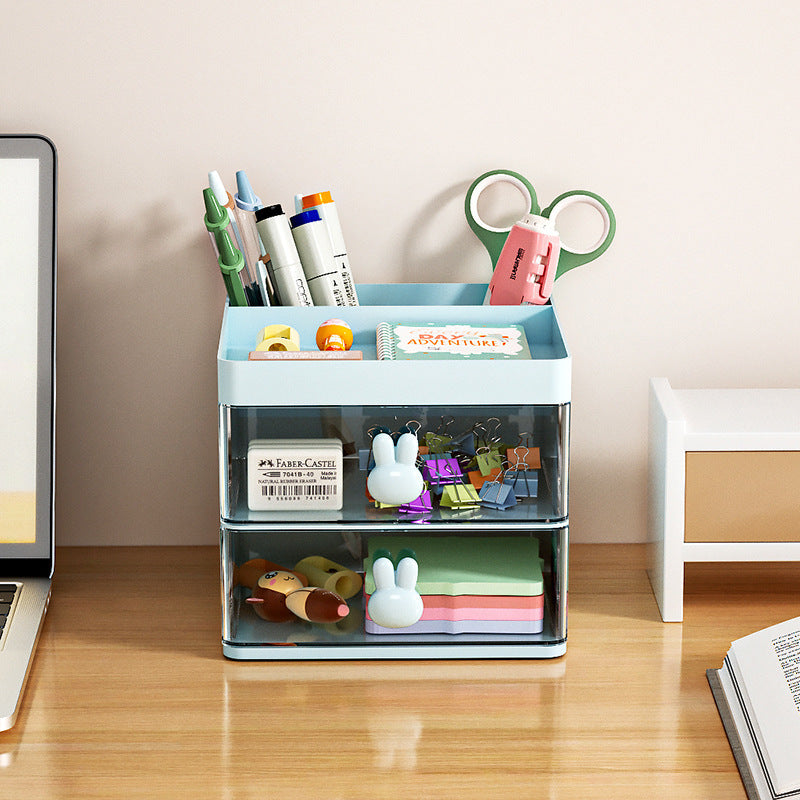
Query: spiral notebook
(396, 341)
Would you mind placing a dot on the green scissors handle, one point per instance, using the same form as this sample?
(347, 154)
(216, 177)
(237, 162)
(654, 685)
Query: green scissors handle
(495, 238)
(570, 258)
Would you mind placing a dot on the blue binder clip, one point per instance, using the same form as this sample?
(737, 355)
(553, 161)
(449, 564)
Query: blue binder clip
(498, 495)
(524, 482)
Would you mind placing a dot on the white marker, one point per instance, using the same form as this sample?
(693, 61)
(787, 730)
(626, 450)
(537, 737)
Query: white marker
(290, 283)
(323, 203)
(316, 255)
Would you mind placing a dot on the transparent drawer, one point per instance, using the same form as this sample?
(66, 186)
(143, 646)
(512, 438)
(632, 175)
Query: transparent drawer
(484, 594)
(490, 465)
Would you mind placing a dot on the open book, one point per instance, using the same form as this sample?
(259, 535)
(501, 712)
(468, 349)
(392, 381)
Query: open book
(757, 692)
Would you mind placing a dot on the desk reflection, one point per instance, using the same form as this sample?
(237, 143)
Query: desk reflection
(399, 721)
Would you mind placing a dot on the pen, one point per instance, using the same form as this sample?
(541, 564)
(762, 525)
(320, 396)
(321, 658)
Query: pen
(226, 201)
(231, 264)
(216, 218)
(323, 203)
(290, 282)
(246, 202)
(316, 256)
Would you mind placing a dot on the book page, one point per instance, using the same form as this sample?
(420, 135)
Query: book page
(766, 666)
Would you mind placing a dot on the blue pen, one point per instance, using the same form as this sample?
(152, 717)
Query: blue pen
(246, 202)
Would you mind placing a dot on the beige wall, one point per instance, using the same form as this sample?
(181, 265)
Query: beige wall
(684, 115)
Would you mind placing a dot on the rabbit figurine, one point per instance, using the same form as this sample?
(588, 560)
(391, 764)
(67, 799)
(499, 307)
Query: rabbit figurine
(394, 479)
(395, 603)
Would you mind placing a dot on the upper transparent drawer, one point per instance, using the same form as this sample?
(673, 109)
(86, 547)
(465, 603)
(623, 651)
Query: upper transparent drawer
(496, 465)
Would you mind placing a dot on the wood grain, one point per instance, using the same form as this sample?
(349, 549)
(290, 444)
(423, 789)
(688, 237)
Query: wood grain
(130, 696)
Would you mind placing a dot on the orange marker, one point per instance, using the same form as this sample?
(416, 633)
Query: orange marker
(334, 334)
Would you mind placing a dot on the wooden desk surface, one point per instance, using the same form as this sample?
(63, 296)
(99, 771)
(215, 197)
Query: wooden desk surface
(130, 696)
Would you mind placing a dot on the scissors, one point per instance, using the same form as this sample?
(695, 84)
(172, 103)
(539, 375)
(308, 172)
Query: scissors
(494, 238)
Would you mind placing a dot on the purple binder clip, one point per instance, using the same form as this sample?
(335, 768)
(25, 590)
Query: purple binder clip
(421, 505)
(439, 471)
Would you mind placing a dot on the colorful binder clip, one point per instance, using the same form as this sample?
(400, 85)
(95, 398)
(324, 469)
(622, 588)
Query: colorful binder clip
(524, 482)
(460, 495)
(465, 443)
(439, 472)
(488, 459)
(422, 505)
(498, 495)
(477, 479)
(522, 455)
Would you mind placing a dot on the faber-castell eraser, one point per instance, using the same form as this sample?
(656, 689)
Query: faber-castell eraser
(294, 475)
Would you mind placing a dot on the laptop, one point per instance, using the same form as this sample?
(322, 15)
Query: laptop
(27, 404)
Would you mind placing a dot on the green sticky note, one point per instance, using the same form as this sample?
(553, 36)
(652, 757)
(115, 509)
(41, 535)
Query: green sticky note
(458, 565)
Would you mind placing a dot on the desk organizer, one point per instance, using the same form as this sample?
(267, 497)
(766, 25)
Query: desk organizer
(277, 407)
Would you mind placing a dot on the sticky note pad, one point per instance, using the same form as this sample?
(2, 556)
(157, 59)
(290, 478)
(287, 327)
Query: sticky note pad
(458, 565)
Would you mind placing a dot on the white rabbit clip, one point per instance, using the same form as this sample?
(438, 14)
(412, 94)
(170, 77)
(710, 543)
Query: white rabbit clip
(395, 602)
(394, 479)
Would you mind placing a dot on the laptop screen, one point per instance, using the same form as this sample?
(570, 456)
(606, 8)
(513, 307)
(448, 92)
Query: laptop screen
(27, 291)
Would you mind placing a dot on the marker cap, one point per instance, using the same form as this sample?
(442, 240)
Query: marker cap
(231, 263)
(304, 217)
(245, 197)
(317, 199)
(216, 218)
(268, 211)
(230, 259)
(218, 187)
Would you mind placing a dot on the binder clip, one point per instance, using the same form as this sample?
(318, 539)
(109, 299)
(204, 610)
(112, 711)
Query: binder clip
(421, 505)
(439, 441)
(524, 482)
(465, 443)
(487, 453)
(459, 495)
(487, 460)
(496, 494)
(412, 426)
(435, 456)
(526, 456)
(441, 471)
(478, 480)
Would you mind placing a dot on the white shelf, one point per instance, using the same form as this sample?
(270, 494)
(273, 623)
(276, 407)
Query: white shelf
(701, 421)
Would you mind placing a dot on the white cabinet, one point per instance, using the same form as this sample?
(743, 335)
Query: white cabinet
(724, 467)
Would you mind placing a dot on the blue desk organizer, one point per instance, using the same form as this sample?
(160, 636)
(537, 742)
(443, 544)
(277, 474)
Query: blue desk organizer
(309, 399)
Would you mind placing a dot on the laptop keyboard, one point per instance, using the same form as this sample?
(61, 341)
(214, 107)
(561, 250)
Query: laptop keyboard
(7, 591)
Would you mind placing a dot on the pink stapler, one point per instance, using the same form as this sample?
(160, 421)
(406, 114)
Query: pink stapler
(526, 267)
(529, 256)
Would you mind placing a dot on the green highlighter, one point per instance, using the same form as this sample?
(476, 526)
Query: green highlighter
(231, 264)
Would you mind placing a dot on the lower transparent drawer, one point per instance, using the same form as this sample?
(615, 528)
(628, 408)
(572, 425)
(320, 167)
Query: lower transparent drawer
(312, 593)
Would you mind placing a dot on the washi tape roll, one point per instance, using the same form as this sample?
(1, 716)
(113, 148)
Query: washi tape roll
(329, 575)
(278, 337)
